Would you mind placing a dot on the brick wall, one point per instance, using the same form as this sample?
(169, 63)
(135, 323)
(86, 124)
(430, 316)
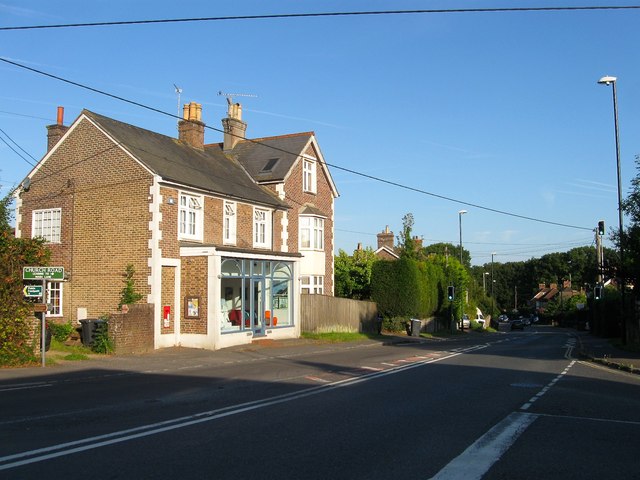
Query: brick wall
(103, 195)
(244, 227)
(193, 282)
(323, 200)
(169, 224)
(132, 332)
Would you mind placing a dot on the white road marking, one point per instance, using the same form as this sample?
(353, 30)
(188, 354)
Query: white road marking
(24, 386)
(476, 460)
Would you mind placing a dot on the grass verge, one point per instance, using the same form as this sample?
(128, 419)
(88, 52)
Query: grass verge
(337, 337)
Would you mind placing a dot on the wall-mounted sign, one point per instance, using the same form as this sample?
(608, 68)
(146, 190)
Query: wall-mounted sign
(43, 273)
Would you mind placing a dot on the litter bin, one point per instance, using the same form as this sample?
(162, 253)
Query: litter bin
(89, 327)
(416, 325)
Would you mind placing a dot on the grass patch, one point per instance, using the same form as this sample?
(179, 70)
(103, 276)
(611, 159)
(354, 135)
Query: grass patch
(61, 347)
(76, 356)
(337, 337)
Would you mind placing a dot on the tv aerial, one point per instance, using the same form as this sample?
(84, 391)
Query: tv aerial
(178, 92)
(231, 95)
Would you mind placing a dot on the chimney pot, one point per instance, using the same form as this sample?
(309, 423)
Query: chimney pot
(191, 129)
(234, 128)
(56, 131)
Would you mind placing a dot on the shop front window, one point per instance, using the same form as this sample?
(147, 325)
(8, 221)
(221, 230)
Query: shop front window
(255, 295)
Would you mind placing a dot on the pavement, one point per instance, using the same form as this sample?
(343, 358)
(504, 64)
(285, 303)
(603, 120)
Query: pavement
(607, 352)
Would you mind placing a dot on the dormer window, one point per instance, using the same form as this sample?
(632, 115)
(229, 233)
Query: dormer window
(309, 174)
(190, 217)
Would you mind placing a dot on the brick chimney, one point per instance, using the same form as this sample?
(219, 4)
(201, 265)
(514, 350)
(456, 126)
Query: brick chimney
(385, 238)
(234, 128)
(57, 131)
(191, 128)
(417, 241)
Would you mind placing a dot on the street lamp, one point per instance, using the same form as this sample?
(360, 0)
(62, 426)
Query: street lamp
(493, 305)
(484, 285)
(460, 213)
(612, 81)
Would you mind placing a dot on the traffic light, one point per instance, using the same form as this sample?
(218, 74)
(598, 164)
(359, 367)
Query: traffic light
(601, 227)
(450, 292)
(597, 292)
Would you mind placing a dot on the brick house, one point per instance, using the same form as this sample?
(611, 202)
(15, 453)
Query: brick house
(224, 237)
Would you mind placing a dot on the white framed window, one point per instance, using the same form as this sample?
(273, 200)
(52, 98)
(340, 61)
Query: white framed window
(229, 223)
(261, 228)
(309, 174)
(54, 299)
(311, 233)
(312, 284)
(47, 224)
(190, 217)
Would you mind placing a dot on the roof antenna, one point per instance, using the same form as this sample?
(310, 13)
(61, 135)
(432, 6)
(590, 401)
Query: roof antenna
(230, 95)
(179, 92)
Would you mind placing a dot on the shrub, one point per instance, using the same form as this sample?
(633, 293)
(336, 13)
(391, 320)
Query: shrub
(61, 331)
(102, 343)
(395, 324)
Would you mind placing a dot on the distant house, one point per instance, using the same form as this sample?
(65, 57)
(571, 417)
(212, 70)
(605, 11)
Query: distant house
(545, 294)
(224, 237)
(386, 250)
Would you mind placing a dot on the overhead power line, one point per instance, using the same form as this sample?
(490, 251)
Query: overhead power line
(354, 172)
(323, 14)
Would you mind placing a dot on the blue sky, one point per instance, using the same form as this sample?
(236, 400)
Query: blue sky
(499, 110)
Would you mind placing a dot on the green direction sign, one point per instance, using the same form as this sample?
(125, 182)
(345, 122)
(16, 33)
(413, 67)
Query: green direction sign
(43, 273)
(32, 290)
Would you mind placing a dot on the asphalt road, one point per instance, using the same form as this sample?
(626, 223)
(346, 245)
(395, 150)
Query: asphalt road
(516, 405)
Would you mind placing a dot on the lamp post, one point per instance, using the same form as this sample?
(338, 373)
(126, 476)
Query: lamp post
(608, 80)
(484, 284)
(493, 305)
(460, 213)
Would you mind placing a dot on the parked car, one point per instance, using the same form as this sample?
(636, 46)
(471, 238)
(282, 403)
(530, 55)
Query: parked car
(517, 324)
(464, 322)
(480, 319)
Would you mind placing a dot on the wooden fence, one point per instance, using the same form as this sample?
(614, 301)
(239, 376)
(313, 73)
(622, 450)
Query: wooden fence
(320, 313)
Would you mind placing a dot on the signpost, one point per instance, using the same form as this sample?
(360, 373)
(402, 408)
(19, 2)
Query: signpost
(43, 274)
(32, 291)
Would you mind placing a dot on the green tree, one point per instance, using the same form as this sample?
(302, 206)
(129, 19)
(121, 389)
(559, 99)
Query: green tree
(406, 242)
(15, 253)
(448, 250)
(353, 273)
(631, 239)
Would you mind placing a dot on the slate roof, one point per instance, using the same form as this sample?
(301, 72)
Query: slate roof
(256, 154)
(176, 161)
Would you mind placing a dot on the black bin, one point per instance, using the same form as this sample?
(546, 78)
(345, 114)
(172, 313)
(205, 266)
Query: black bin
(89, 327)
